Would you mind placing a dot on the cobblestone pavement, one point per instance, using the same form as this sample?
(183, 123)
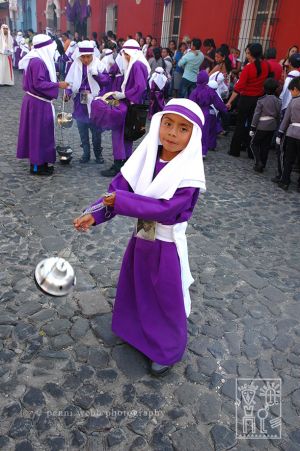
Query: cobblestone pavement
(67, 382)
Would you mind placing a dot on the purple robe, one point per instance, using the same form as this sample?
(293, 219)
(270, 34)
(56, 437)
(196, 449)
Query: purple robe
(36, 132)
(149, 311)
(205, 96)
(80, 112)
(115, 116)
(116, 78)
(17, 57)
(215, 128)
(157, 99)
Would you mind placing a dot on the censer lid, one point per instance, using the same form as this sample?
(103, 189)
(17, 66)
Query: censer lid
(55, 276)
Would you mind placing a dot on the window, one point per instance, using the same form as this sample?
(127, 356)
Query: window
(253, 21)
(111, 18)
(171, 22)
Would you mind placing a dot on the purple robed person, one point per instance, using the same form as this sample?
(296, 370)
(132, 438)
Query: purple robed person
(86, 78)
(205, 96)
(136, 72)
(36, 132)
(152, 301)
(158, 84)
(117, 76)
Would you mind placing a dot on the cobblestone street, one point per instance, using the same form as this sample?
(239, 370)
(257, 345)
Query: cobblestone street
(68, 383)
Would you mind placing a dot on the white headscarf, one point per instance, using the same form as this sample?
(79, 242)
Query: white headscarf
(71, 48)
(185, 170)
(19, 37)
(108, 59)
(96, 50)
(132, 48)
(46, 53)
(120, 62)
(74, 75)
(23, 46)
(220, 79)
(159, 78)
(6, 41)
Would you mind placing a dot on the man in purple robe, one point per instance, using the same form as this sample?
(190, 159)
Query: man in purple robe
(36, 139)
(136, 72)
(205, 96)
(159, 184)
(86, 77)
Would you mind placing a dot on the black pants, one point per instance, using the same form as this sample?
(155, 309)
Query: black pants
(260, 146)
(246, 108)
(291, 152)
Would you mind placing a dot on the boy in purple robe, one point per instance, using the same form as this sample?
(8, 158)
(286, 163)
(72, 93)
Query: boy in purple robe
(136, 72)
(86, 78)
(158, 84)
(159, 184)
(36, 131)
(205, 96)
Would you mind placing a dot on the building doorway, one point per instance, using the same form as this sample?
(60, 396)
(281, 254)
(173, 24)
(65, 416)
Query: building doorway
(171, 22)
(111, 22)
(53, 14)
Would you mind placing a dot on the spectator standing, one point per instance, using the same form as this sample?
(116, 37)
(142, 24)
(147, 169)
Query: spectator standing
(191, 63)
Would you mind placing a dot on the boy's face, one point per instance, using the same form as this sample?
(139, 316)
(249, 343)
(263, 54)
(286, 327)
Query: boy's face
(295, 92)
(174, 132)
(86, 59)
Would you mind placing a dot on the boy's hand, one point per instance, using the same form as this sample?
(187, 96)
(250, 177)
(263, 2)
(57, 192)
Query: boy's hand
(83, 223)
(109, 201)
(63, 85)
(67, 98)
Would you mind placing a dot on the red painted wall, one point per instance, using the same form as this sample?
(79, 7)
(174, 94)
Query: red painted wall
(288, 28)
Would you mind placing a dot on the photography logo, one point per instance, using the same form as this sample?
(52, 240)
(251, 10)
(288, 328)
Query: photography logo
(258, 408)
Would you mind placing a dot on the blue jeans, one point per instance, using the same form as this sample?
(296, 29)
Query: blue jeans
(186, 87)
(83, 129)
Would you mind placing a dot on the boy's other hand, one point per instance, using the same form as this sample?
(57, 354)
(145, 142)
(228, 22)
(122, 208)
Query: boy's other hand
(83, 223)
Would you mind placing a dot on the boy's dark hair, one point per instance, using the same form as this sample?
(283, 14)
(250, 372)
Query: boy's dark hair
(139, 33)
(295, 83)
(295, 60)
(196, 43)
(209, 43)
(65, 34)
(222, 51)
(271, 53)
(270, 86)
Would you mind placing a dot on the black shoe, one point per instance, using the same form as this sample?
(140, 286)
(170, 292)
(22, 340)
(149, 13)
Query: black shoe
(233, 154)
(84, 160)
(283, 186)
(49, 169)
(100, 160)
(276, 179)
(114, 169)
(258, 168)
(39, 170)
(159, 370)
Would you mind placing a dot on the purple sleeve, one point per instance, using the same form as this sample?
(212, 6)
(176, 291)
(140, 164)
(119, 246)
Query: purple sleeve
(219, 104)
(117, 183)
(177, 209)
(103, 79)
(193, 95)
(137, 83)
(40, 78)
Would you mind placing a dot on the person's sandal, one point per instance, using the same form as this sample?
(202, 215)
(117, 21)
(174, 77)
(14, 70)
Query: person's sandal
(159, 370)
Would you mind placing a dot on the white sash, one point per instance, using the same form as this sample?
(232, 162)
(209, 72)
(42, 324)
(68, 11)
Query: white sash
(44, 100)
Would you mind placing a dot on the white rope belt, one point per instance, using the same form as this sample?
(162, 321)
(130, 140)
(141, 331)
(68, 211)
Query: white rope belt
(266, 118)
(296, 124)
(38, 97)
(164, 233)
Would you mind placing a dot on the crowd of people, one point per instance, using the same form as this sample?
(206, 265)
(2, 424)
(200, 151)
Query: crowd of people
(251, 93)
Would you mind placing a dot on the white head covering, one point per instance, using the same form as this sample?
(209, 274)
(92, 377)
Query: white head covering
(185, 170)
(120, 62)
(159, 78)
(23, 46)
(6, 41)
(43, 48)
(132, 48)
(220, 79)
(74, 75)
(213, 84)
(108, 59)
(96, 50)
(19, 37)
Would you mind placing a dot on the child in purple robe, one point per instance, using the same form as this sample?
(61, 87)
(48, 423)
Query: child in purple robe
(36, 132)
(205, 96)
(136, 72)
(86, 78)
(158, 84)
(159, 184)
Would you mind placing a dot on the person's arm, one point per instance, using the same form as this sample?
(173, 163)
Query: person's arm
(285, 121)
(239, 86)
(41, 84)
(219, 104)
(138, 73)
(147, 208)
(215, 69)
(183, 60)
(257, 114)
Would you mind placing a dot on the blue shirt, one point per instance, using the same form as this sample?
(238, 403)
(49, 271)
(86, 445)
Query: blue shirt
(191, 63)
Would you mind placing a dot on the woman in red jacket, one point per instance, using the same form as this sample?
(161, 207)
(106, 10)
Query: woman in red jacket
(249, 87)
